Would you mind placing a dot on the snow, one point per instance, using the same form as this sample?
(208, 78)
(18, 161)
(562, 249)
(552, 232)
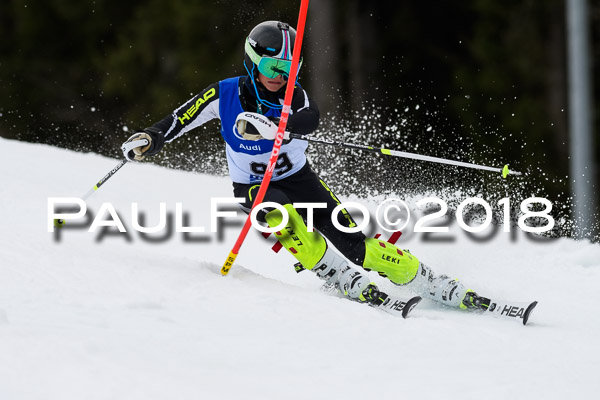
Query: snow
(114, 316)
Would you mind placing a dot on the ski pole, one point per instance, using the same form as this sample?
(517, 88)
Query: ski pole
(60, 222)
(105, 178)
(287, 101)
(142, 142)
(505, 171)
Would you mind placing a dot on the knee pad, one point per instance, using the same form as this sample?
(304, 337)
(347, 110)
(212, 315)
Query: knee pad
(389, 261)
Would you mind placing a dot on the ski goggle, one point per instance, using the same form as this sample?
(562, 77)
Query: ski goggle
(270, 67)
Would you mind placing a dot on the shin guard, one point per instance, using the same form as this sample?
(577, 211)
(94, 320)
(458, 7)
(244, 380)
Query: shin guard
(402, 268)
(398, 266)
(306, 247)
(311, 249)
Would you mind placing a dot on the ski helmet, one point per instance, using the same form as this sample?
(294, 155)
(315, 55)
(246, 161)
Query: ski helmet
(268, 49)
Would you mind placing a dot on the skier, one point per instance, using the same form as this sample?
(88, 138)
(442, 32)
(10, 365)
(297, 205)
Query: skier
(267, 61)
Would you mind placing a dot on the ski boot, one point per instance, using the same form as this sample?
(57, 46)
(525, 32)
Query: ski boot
(439, 288)
(371, 294)
(340, 276)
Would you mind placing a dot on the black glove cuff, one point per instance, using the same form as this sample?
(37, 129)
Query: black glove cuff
(158, 140)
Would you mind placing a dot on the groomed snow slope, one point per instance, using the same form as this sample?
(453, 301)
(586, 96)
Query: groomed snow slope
(103, 317)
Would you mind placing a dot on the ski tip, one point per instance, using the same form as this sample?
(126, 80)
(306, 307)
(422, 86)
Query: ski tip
(528, 312)
(410, 304)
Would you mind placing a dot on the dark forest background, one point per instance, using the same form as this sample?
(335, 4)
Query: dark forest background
(483, 81)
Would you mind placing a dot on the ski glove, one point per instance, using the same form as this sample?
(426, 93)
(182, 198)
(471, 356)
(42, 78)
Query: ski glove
(142, 144)
(253, 126)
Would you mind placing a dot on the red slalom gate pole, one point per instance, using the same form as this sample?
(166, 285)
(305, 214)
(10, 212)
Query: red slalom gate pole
(287, 101)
